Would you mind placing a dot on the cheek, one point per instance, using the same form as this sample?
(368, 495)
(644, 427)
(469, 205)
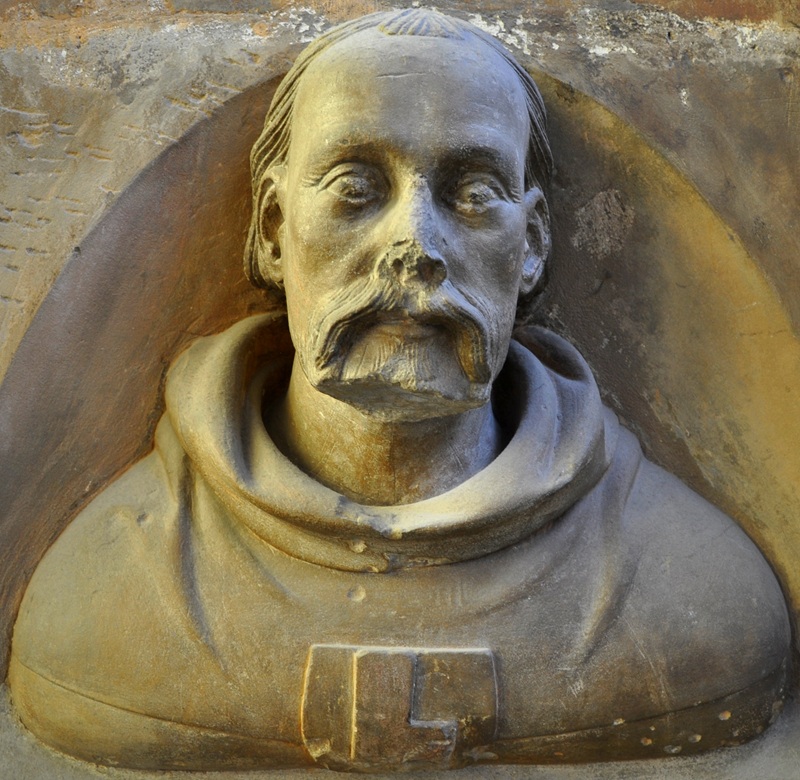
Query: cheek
(327, 252)
(310, 239)
(494, 256)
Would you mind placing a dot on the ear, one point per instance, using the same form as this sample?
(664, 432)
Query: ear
(537, 246)
(270, 225)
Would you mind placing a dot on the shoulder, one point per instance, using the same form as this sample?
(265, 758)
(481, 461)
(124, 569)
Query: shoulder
(109, 581)
(703, 596)
(97, 565)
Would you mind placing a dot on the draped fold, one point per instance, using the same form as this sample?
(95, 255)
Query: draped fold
(562, 443)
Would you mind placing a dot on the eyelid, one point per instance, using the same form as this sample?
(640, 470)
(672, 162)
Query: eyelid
(345, 168)
(488, 178)
(353, 186)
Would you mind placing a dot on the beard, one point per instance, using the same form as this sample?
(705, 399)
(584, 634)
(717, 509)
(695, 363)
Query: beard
(402, 348)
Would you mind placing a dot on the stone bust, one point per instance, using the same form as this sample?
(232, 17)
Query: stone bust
(400, 538)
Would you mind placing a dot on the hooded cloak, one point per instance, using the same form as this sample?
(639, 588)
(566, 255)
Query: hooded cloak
(584, 604)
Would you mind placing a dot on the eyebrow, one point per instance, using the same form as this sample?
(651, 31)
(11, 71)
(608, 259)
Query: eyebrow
(371, 151)
(485, 154)
(323, 157)
(489, 157)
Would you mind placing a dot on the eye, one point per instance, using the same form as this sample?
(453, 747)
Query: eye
(474, 194)
(356, 186)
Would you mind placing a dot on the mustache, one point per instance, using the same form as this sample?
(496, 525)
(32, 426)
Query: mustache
(382, 295)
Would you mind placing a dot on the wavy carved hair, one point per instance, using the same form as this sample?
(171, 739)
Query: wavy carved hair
(272, 146)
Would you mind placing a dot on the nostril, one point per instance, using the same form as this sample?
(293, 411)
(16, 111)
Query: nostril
(432, 271)
(415, 265)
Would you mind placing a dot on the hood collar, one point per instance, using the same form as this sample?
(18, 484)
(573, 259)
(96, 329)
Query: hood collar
(562, 444)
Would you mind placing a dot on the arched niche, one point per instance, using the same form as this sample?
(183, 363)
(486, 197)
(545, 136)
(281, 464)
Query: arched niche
(689, 342)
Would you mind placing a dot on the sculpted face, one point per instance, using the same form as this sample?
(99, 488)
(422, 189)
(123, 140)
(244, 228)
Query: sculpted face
(407, 230)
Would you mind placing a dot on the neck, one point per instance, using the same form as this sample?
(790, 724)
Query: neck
(379, 462)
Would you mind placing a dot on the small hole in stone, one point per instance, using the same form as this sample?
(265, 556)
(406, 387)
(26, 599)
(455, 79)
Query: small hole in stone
(356, 594)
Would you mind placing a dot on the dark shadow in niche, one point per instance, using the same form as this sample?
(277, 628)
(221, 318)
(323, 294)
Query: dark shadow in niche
(634, 283)
(82, 396)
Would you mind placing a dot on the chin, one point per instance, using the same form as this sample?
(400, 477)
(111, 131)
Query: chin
(397, 401)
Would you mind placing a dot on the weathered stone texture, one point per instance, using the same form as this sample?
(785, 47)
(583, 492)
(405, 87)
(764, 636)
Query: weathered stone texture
(91, 92)
(699, 101)
(83, 113)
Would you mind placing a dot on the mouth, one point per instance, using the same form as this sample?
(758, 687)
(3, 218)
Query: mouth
(404, 325)
(377, 324)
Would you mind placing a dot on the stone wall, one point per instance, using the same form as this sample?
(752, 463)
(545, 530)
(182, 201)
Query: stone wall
(676, 130)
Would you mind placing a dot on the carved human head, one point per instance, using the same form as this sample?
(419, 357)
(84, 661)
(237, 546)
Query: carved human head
(398, 200)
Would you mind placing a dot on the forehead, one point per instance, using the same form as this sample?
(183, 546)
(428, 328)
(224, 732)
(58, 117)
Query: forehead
(410, 92)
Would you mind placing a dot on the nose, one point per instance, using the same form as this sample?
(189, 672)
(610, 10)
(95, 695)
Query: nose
(408, 262)
(415, 251)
